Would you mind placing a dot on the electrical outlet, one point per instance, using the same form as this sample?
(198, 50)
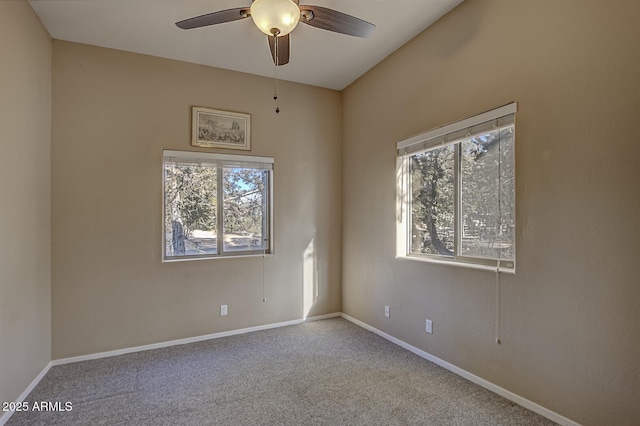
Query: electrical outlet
(429, 326)
(223, 310)
(386, 311)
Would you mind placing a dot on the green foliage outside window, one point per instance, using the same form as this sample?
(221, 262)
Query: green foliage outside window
(192, 215)
(484, 176)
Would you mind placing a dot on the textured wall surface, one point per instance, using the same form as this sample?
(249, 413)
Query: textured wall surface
(570, 321)
(25, 226)
(113, 114)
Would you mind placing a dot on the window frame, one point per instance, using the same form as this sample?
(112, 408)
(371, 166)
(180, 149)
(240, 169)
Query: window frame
(223, 161)
(451, 134)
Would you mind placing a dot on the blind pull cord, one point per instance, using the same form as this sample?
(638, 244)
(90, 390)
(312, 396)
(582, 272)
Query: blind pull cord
(499, 234)
(498, 341)
(264, 295)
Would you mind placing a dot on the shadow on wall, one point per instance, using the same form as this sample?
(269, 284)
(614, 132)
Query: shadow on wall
(309, 279)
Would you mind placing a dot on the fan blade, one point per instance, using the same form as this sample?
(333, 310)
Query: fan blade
(214, 18)
(338, 22)
(284, 44)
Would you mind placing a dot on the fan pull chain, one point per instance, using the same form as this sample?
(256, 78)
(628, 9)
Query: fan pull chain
(275, 71)
(275, 90)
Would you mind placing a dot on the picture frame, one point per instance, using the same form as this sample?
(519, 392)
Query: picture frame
(212, 128)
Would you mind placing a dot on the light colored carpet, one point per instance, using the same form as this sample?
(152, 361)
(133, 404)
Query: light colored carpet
(328, 372)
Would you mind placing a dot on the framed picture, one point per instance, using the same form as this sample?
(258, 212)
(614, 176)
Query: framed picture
(212, 128)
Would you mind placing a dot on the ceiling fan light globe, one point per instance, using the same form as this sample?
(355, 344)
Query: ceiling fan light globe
(282, 15)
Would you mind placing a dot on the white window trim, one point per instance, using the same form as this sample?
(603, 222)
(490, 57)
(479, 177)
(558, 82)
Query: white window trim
(415, 144)
(225, 159)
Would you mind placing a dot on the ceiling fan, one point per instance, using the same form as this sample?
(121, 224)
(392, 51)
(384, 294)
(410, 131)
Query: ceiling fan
(277, 18)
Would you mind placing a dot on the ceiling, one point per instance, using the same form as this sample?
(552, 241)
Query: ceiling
(318, 57)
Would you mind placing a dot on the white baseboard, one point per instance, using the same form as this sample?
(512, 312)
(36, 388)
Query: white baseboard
(188, 340)
(7, 415)
(530, 405)
(322, 317)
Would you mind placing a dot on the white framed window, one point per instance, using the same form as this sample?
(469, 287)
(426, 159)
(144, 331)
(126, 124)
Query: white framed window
(216, 205)
(456, 192)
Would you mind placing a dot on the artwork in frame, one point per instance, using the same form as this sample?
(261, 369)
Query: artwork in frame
(213, 128)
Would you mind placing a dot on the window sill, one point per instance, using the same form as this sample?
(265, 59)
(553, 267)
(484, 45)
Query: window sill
(237, 256)
(459, 264)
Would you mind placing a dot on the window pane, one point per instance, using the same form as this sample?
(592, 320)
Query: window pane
(488, 195)
(244, 209)
(190, 209)
(432, 204)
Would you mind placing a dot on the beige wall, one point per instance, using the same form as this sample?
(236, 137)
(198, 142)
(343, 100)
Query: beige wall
(113, 113)
(25, 261)
(570, 317)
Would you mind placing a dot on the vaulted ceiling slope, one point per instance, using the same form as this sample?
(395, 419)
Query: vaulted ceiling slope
(318, 57)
